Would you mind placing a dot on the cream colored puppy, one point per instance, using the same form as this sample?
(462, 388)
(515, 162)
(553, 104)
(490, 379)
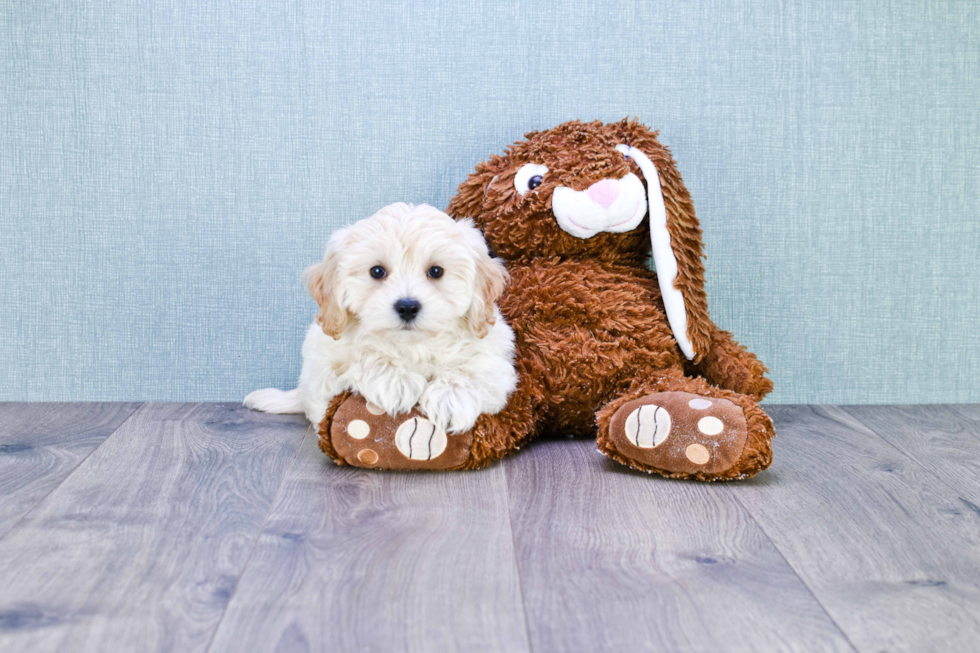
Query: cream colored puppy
(407, 317)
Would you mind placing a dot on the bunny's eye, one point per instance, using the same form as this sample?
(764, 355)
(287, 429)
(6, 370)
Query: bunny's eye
(529, 177)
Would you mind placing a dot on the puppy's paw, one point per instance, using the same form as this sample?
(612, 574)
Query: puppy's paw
(450, 406)
(396, 391)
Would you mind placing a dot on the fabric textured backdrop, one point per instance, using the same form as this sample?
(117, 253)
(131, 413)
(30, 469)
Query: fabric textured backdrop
(167, 170)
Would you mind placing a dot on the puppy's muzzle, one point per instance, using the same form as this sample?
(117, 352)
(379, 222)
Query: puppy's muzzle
(407, 308)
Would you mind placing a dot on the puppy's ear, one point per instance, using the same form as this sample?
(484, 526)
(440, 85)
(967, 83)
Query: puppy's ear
(491, 279)
(322, 279)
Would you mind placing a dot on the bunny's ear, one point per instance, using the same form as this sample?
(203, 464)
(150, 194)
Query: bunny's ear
(471, 194)
(676, 236)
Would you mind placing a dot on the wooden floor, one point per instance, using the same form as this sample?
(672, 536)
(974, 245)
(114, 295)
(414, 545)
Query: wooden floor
(199, 527)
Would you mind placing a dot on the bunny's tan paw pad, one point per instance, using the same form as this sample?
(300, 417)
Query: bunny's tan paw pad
(363, 435)
(679, 433)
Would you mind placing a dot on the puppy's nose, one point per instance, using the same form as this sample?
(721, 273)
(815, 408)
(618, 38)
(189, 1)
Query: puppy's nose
(604, 193)
(407, 309)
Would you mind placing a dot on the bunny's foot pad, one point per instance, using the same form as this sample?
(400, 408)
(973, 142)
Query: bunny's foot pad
(680, 433)
(363, 435)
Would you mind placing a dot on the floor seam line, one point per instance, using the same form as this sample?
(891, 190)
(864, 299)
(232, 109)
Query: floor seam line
(912, 459)
(796, 573)
(14, 527)
(258, 536)
(517, 564)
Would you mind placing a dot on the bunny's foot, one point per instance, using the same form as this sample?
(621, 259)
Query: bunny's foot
(356, 432)
(709, 435)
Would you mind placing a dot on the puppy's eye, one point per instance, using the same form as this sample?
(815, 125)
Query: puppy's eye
(435, 272)
(529, 177)
(378, 272)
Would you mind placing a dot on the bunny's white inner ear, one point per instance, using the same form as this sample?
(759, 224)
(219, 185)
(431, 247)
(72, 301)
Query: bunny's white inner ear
(663, 255)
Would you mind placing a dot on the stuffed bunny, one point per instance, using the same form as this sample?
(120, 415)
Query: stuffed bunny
(605, 347)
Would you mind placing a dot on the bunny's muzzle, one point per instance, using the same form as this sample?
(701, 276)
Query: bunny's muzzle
(613, 205)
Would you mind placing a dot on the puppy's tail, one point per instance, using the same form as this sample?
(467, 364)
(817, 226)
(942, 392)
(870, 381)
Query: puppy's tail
(271, 400)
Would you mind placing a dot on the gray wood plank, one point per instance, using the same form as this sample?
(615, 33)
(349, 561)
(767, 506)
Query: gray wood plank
(355, 560)
(615, 560)
(883, 544)
(41, 444)
(969, 413)
(941, 438)
(140, 548)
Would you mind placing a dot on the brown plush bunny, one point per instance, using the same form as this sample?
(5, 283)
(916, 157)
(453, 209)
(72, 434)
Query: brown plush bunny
(604, 345)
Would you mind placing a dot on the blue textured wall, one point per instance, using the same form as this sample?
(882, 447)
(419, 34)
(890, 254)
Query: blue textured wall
(167, 169)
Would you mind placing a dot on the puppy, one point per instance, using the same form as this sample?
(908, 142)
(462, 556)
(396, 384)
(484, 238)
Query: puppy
(407, 317)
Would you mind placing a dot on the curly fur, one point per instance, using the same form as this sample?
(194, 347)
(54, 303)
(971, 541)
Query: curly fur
(452, 357)
(588, 316)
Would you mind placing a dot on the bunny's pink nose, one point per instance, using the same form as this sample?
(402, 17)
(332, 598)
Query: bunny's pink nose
(604, 192)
